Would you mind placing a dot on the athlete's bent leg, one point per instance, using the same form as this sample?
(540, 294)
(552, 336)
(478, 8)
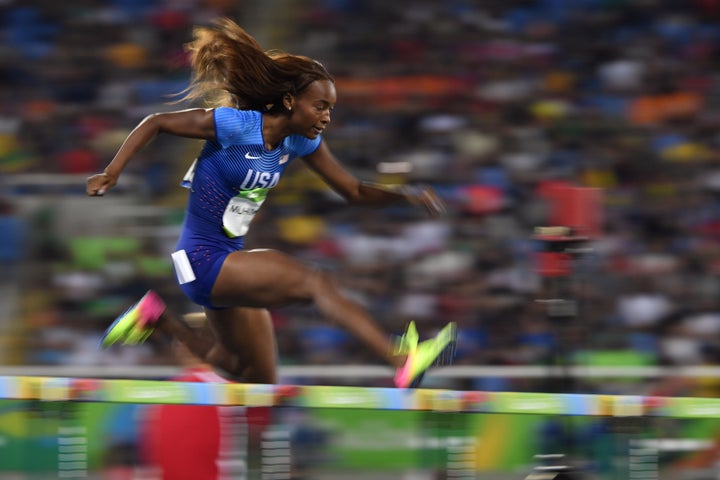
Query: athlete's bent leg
(249, 334)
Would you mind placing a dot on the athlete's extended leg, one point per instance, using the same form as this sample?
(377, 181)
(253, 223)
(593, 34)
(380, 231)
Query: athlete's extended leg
(268, 278)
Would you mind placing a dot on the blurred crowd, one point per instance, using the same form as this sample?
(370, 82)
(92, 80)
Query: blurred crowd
(492, 103)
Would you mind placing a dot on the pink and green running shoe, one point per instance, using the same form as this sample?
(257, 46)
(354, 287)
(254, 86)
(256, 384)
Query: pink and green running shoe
(438, 351)
(137, 323)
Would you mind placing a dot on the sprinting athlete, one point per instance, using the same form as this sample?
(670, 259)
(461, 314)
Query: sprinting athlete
(266, 109)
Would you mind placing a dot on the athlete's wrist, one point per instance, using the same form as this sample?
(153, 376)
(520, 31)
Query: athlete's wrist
(424, 196)
(111, 174)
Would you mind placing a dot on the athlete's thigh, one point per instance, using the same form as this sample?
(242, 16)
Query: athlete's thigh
(263, 278)
(249, 333)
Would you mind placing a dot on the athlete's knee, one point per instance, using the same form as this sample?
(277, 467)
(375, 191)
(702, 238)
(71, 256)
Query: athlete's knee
(220, 357)
(321, 282)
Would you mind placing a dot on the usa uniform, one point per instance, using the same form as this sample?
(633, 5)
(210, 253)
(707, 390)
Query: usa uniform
(228, 183)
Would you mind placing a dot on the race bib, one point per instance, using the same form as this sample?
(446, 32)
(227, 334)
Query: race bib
(240, 211)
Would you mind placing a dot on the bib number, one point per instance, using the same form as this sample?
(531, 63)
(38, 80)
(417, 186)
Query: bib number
(241, 210)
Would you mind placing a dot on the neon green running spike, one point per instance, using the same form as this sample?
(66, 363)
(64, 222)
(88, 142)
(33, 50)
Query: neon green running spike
(437, 351)
(408, 341)
(137, 335)
(136, 324)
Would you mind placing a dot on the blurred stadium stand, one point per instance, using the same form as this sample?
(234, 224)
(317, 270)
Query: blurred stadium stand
(489, 103)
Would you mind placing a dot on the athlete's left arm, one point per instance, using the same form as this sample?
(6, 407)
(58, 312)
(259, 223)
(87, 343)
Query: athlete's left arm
(324, 163)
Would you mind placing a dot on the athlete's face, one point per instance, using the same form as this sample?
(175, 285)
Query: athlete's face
(311, 110)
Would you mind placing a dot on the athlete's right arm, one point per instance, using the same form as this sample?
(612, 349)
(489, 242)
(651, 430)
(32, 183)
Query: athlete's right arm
(193, 123)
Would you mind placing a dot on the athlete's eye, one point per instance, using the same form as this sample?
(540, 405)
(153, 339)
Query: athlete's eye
(321, 107)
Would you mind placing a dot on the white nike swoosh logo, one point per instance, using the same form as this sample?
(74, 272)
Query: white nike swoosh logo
(250, 157)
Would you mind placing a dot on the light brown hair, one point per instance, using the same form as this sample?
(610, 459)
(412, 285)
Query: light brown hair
(231, 69)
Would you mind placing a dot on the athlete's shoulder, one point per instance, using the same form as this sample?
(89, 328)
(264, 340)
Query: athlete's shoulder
(238, 118)
(237, 126)
(302, 145)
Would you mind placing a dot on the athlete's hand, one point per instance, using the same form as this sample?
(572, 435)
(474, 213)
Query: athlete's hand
(100, 183)
(426, 197)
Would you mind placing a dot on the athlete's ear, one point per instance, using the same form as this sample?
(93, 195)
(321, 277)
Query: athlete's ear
(288, 101)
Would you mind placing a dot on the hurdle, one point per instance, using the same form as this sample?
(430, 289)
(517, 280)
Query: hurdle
(442, 415)
(371, 398)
